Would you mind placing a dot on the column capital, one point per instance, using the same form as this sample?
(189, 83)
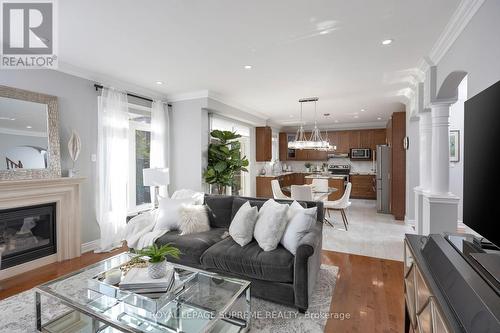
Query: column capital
(439, 103)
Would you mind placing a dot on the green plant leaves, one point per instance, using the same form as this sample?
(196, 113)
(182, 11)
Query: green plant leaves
(224, 159)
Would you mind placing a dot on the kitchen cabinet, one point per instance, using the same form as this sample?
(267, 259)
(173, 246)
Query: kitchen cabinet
(396, 132)
(263, 187)
(344, 140)
(263, 144)
(363, 187)
(355, 140)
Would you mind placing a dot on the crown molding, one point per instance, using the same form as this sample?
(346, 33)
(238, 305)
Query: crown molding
(229, 102)
(188, 95)
(457, 23)
(107, 80)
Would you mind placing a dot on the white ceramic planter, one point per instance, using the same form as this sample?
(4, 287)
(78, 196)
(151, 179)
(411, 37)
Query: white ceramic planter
(157, 270)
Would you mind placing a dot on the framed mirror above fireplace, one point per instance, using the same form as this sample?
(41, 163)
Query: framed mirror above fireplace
(29, 135)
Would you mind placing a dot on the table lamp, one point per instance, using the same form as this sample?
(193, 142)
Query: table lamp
(155, 177)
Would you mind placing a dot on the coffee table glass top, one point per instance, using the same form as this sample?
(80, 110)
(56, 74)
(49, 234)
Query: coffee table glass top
(198, 302)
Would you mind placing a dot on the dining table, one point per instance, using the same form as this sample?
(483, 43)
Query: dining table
(318, 194)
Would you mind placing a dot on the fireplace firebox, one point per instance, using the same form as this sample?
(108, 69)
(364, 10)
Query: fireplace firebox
(27, 233)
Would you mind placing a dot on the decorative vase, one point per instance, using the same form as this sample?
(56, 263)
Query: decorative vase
(157, 270)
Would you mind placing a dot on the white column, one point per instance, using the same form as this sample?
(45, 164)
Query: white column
(425, 149)
(440, 160)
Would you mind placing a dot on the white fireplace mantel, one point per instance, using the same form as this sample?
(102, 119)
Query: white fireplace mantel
(65, 192)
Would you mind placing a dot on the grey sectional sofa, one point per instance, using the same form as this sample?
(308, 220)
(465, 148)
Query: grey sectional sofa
(275, 275)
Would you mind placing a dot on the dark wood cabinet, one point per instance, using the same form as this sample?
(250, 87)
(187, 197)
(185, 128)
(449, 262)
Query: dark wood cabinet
(344, 140)
(363, 187)
(263, 187)
(396, 132)
(263, 144)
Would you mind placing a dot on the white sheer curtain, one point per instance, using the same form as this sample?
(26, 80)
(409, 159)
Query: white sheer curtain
(160, 138)
(112, 167)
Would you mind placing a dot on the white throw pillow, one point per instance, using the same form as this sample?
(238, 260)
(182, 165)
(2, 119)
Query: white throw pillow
(300, 220)
(198, 197)
(271, 224)
(243, 224)
(168, 213)
(193, 218)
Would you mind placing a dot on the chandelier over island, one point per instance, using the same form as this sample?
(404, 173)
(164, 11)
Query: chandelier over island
(316, 141)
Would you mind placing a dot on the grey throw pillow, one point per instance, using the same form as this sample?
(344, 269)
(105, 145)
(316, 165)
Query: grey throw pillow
(271, 224)
(300, 221)
(242, 226)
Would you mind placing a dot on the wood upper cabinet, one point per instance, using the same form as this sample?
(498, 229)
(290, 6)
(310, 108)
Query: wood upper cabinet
(344, 140)
(263, 144)
(355, 139)
(379, 137)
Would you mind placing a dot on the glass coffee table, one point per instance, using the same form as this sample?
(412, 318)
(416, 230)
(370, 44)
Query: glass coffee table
(200, 302)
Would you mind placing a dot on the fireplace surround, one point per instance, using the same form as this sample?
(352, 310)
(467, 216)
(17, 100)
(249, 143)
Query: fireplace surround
(65, 193)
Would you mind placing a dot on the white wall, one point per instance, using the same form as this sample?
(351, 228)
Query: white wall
(457, 168)
(189, 139)
(476, 50)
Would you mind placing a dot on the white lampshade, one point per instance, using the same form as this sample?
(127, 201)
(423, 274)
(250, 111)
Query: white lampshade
(155, 177)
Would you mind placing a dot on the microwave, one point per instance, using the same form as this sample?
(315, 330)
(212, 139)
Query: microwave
(361, 154)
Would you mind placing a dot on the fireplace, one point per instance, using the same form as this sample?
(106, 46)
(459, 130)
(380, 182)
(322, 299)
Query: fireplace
(27, 233)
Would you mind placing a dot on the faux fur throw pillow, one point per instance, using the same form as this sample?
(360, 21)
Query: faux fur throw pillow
(193, 218)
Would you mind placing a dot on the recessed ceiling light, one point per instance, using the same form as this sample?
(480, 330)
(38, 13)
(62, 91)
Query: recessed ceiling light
(363, 110)
(247, 67)
(29, 126)
(336, 121)
(387, 41)
(356, 117)
(159, 83)
(378, 118)
(323, 32)
(12, 119)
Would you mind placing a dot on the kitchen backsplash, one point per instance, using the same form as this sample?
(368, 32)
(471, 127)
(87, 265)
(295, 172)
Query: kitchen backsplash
(356, 166)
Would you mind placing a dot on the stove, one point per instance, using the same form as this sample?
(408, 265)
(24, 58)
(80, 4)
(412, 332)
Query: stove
(340, 170)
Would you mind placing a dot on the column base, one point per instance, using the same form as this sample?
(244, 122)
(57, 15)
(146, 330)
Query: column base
(439, 213)
(419, 208)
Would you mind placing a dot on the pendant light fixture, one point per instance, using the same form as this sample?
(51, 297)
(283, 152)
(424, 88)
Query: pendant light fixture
(316, 142)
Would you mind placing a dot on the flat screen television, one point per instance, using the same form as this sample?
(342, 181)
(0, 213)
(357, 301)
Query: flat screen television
(481, 201)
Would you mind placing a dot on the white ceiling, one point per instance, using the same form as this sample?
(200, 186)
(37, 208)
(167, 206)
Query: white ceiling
(203, 45)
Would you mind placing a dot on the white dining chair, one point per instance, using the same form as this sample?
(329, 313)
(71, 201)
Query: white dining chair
(302, 192)
(277, 192)
(320, 184)
(341, 205)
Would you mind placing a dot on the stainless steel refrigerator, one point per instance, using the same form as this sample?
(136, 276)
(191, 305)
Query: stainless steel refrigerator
(383, 178)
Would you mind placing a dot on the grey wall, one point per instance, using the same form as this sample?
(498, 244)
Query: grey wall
(77, 102)
(476, 50)
(188, 145)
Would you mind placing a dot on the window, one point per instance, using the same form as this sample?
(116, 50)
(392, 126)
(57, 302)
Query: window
(139, 196)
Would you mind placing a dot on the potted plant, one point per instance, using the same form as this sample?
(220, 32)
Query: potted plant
(224, 160)
(308, 166)
(157, 263)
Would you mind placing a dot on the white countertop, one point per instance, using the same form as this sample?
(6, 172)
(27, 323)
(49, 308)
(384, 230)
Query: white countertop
(362, 174)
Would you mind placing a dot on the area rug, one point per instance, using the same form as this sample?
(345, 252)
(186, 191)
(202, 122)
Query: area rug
(17, 313)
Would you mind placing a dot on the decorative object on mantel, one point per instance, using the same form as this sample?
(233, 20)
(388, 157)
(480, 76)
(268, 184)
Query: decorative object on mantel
(157, 264)
(224, 160)
(455, 146)
(74, 146)
(316, 142)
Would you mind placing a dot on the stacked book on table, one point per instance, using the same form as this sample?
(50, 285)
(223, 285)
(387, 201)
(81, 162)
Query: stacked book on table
(138, 281)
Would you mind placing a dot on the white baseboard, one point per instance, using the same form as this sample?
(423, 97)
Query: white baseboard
(90, 246)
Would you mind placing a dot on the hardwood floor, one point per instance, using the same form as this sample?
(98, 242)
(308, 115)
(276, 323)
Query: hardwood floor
(369, 290)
